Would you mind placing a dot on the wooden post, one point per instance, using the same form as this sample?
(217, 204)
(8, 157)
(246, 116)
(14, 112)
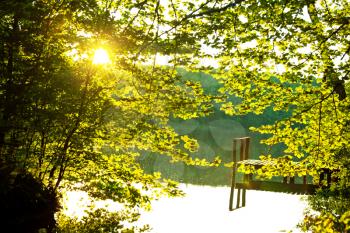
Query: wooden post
(233, 179)
(245, 144)
(238, 198)
(244, 151)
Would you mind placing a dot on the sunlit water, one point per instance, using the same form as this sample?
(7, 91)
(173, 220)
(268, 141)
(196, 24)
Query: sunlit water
(204, 209)
(76, 203)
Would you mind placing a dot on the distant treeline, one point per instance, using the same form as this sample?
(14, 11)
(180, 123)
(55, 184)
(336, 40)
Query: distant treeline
(214, 134)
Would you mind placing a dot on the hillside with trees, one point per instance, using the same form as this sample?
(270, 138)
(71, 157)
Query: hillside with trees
(214, 135)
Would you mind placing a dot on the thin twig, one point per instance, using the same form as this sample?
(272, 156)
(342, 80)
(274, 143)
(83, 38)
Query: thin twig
(335, 108)
(190, 16)
(319, 127)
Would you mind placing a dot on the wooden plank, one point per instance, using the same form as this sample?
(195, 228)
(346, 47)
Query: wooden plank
(278, 187)
(255, 162)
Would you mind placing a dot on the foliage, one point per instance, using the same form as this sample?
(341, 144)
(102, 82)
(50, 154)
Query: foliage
(100, 220)
(214, 134)
(331, 205)
(64, 119)
(68, 121)
(292, 56)
(289, 55)
(326, 223)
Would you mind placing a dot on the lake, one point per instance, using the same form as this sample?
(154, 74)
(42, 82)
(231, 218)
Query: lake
(205, 210)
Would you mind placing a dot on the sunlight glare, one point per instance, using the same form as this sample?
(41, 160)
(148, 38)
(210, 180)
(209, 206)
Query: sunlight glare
(75, 204)
(101, 57)
(270, 212)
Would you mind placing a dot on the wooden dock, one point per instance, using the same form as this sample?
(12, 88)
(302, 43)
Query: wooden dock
(287, 184)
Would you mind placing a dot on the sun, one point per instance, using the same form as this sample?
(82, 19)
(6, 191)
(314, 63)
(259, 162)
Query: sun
(101, 57)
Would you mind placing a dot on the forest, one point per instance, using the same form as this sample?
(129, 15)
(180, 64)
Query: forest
(94, 91)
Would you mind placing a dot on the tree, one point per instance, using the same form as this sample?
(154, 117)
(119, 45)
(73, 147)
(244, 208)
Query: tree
(71, 123)
(292, 56)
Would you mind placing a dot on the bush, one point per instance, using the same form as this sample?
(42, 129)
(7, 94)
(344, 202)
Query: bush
(331, 206)
(26, 204)
(101, 220)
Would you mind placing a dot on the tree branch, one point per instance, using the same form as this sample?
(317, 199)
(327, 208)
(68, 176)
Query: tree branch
(215, 10)
(313, 105)
(190, 16)
(346, 52)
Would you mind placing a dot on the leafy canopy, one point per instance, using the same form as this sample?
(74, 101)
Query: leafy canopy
(64, 119)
